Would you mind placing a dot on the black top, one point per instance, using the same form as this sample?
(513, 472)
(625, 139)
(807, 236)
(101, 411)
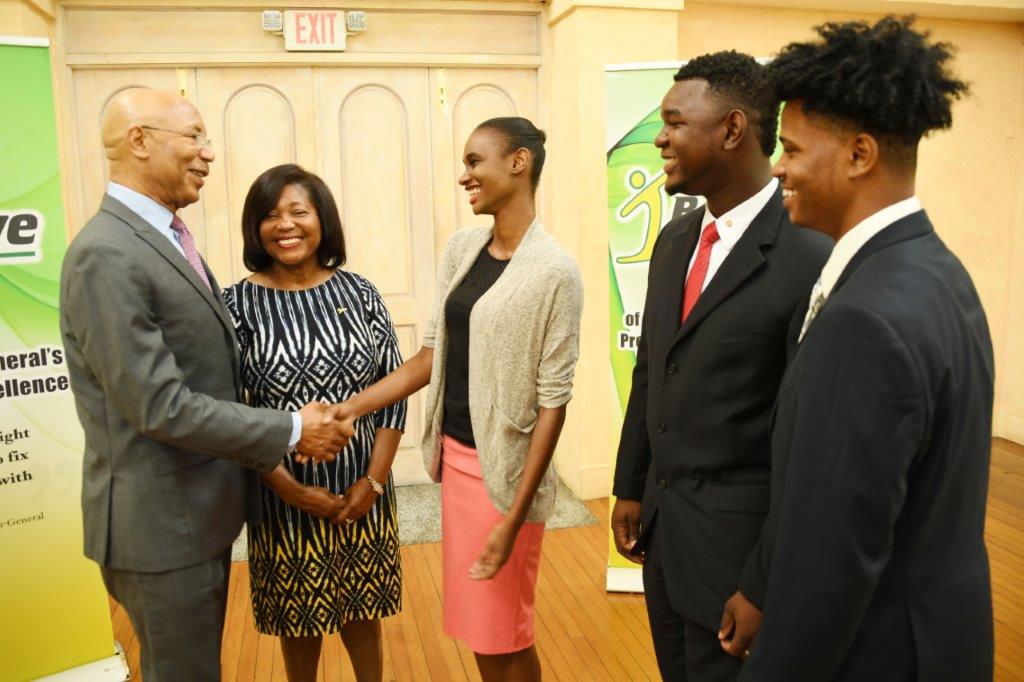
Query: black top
(484, 273)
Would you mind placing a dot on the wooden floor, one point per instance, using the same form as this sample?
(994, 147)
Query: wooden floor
(1004, 535)
(583, 632)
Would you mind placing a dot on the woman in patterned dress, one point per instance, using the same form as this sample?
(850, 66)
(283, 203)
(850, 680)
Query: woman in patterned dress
(310, 331)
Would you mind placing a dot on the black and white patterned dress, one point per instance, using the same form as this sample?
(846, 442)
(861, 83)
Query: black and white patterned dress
(327, 343)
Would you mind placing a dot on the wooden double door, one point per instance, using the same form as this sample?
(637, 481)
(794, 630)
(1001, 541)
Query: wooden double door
(387, 140)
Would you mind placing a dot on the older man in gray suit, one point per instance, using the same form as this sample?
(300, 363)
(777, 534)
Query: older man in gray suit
(154, 369)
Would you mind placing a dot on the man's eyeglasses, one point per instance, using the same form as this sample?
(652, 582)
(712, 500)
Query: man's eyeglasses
(200, 139)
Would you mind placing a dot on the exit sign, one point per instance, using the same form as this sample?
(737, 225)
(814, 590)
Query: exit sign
(314, 30)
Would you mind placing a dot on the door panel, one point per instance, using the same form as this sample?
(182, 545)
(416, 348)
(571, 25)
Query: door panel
(376, 159)
(257, 119)
(93, 91)
(471, 97)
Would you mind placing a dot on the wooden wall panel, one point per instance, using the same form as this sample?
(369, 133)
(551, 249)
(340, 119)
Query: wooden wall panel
(257, 118)
(113, 31)
(474, 105)
(374, 135)
(375, 142)
(93, 90)
(471, 97)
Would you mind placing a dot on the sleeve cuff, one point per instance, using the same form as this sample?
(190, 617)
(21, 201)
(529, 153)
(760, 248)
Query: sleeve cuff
(389, 418)
(296, 431)
(634, 492)
(751, 585)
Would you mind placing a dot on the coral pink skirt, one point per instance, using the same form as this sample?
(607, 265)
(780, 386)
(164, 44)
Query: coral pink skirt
(491, 616)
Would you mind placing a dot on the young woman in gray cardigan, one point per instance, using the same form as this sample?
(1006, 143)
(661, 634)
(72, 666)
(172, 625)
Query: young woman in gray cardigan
(499, 355)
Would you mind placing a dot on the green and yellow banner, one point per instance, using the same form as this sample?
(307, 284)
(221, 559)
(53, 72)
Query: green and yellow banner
(55, 612)
(637, 210)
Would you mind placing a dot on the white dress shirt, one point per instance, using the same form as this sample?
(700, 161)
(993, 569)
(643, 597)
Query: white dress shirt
(731, 225)
(160, 218)
(149, 210)
(848, 246)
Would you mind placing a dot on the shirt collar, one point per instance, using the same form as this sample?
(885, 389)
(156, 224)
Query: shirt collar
(852, 242)
(733, 223)
(145, 207)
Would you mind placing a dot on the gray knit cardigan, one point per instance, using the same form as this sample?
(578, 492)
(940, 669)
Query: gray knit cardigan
(523, 346)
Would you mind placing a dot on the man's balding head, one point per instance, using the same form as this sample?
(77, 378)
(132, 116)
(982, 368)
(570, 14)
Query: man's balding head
(139, 107)
(154, 143)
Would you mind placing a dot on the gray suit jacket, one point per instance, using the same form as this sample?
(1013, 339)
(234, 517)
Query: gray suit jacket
(154, 370)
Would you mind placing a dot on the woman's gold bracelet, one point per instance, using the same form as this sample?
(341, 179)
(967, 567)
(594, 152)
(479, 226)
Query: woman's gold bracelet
(375, 484)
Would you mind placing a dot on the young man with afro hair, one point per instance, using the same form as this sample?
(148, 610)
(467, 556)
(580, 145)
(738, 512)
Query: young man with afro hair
(874, 548)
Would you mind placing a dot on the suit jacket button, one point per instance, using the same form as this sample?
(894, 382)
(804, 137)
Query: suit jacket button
(660, 427)
(671, 369)
(661, 484)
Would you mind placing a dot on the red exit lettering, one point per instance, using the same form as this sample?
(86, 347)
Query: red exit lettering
(329, 19)
(319, 25)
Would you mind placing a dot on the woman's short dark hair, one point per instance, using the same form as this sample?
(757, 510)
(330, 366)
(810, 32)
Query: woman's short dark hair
(262, 199)
(519, 133)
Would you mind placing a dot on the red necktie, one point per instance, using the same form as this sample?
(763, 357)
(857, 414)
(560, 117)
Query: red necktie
(188, 245)
(695, 281)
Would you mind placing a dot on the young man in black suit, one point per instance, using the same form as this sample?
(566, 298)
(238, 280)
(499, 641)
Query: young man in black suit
(692, 476)
(882, 434)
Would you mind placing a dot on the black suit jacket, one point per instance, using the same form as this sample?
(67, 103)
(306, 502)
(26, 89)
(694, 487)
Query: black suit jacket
(695, 439)
(881, 444)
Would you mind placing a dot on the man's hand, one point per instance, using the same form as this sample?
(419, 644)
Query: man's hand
(323, 436)
(626, 528)
(359, 499)
(741, 622)
(317, 501)
(313, 500)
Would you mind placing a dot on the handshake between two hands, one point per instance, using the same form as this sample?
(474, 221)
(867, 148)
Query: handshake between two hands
(326, 430)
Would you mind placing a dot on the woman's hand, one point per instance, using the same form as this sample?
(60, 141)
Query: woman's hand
(358, 500)
(496, 551)
(346, 414)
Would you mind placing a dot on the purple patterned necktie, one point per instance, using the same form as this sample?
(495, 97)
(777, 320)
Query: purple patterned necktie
(188, 245)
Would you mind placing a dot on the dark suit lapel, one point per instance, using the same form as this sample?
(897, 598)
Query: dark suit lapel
(236, 360)
(668, 282)
(746, 258)
(912, 226)
(162, 246)
(796, 323)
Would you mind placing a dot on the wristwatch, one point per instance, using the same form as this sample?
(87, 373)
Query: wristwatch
(375, 484)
